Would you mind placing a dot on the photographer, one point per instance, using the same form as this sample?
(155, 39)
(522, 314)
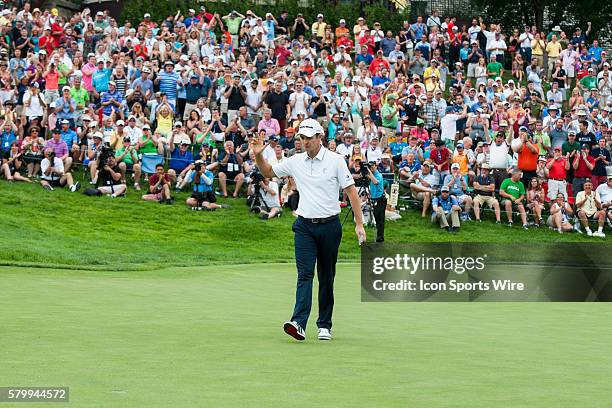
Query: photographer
(53, 175)
(109, 175)
(159, 187)
(202, 195)
(230, 162)
(377, 195)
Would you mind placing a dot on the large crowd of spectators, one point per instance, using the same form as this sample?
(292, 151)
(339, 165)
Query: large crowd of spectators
(466, 117)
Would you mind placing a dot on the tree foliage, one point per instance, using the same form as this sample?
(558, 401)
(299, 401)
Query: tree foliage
(546, 14)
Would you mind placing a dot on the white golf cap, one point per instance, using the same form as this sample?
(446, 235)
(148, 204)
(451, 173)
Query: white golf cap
(319, 15)
(309, 128)
(342, 21)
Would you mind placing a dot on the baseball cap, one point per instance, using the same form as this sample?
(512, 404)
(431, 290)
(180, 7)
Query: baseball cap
(56, 130)
(523, 129)
(309, 128)
(485, 166)
(459, 146)
(127, 139)
(455, 165)
(65, 122)
(444, 189)
(585, 146)
(610, 176)
(542, 158)
(98, 135)
(120, 123)
(503, 123)
(178, 123)
(146, 127)
(290, 130)
(571, 132)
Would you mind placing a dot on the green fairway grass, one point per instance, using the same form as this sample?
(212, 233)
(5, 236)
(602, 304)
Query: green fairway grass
(62, 229)
(212, 337)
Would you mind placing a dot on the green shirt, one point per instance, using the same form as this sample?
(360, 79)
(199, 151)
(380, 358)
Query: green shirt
(233, 25)
(128, 159)
(589, 82)
(81, 96)
(542, 141)
(515, 189)
(385, 111)
(148, 147)
(568, 147)
(494, 69)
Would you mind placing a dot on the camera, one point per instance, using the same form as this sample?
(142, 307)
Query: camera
(197, 167)
(105, 153)
(51, 158)
(256, 177)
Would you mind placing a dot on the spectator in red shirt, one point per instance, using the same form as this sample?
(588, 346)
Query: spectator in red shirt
(583, 166)
(440, 155)
(159, 186)
(368, 41)
(379, 61)
(557, 167)
(45, 42)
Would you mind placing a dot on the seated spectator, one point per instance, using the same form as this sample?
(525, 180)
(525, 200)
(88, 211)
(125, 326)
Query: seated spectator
(53, 174)
(589, 208)
(159, 187)
(181, 160)
(446, 209)
(484, 188)
(269, 191)
(202, 194)
(127, 159)
(408, 170)
(458, 187)
(93, 150)
(32, 147)
(441, 158)
(290, 197)
(230, 163)
(424, 186)
(13, 164)
(535, 200)
(60, 148)
(512, 192)
(560, 213)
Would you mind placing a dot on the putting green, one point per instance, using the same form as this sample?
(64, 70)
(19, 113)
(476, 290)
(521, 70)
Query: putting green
(212, 337)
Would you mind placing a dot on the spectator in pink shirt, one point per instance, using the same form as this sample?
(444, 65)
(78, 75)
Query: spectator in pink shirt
(269, 124)
(88, 70)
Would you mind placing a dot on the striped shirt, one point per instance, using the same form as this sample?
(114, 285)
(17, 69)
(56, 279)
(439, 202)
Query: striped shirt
(168, 83)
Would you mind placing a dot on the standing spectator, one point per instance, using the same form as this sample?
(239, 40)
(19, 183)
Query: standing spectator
(557, 168)
(602, 160)
(583, 165)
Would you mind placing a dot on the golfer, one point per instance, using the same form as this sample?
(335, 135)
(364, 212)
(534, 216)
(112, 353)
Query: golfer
(319, 175)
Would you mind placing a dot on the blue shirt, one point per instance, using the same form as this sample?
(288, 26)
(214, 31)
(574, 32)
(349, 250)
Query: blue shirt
(595, 53)
(6, 140)
(377, 190)
(446, 205)
(202, 187)
(168, 83)
(65, 112)
(100, 79)
(415, 166)
(367, 58)
(179, 161)
(419, 30)
(397, 148)
(106, 96)
(70, 137)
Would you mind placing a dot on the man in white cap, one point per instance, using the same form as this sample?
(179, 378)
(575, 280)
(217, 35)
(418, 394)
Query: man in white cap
(319, 176)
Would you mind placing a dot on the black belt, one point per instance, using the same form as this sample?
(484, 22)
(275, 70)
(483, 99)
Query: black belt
(319, 220)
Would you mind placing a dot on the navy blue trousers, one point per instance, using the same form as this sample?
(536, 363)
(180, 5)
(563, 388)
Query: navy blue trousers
(315, 243)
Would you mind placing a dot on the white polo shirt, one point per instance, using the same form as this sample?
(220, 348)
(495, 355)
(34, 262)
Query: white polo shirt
(318, 181)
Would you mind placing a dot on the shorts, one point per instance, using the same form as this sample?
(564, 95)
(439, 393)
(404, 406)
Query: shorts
(156, 196)
(514, 205)
(461, 198)
(55, 183)
(109, 189)
(207, 196)
(482, 199)
(420, 196)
